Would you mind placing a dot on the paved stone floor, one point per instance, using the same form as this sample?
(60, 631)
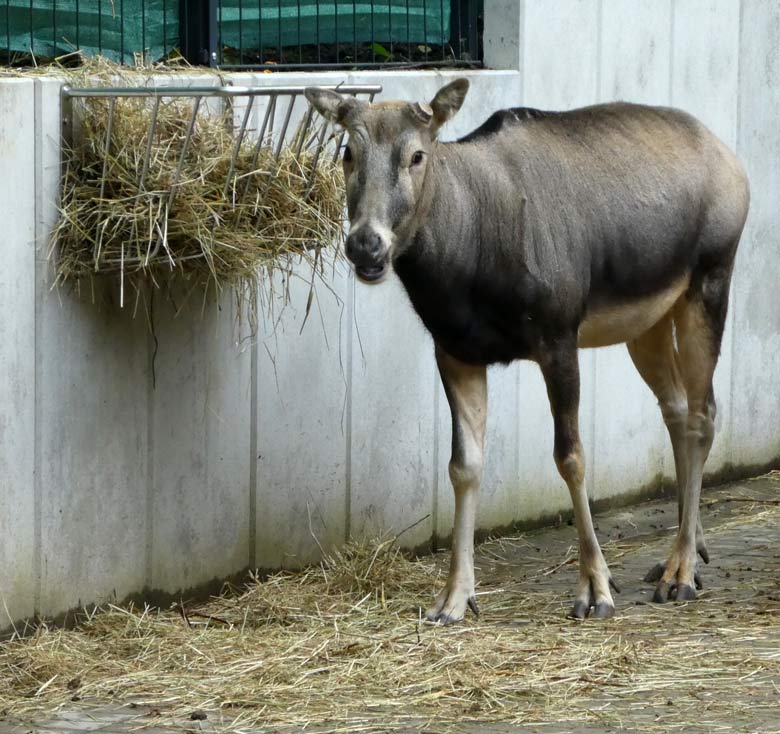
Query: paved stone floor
(740, 554)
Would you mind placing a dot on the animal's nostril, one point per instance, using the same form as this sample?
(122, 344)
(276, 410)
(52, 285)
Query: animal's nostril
(350, 246)
(374, 245)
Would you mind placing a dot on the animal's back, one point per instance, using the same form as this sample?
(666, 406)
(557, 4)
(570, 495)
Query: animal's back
(635, 195)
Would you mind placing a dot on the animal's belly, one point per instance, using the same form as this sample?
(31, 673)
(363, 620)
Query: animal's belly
(617, 323)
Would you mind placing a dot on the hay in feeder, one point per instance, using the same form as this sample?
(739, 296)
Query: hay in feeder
(211, 213)
(341, 648)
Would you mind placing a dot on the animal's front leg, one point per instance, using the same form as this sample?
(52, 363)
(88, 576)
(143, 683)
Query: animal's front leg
(466, 389)
(561, 373)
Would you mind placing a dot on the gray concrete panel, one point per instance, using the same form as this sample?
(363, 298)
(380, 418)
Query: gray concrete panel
(91, 422)
(302, 417)
(199, 443)
(635, 51)
(392, 443)
(755, 414)
(17, 351)
(560, 53)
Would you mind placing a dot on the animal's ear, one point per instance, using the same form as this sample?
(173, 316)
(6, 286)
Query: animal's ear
(448, 101)
(331, 105)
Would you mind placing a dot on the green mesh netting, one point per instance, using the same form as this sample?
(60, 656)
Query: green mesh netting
(120, 29)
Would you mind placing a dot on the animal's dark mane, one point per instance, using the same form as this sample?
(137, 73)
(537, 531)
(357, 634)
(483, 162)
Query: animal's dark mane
(499, 119)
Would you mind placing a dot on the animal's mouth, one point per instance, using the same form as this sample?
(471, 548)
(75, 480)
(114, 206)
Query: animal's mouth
(372, 273)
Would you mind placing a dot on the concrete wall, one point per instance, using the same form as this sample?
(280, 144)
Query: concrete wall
(240, 452)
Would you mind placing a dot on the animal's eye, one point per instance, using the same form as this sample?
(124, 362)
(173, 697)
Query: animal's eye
(417, 158)
(347, 154)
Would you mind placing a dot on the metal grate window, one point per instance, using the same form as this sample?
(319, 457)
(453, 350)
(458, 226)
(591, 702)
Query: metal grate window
(248, 34)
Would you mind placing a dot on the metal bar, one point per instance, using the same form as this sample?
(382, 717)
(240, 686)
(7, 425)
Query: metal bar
(100, 26)
(214, 91)
(109, 125)
(408, 39)
(473, 37)
(241, 30)
(148, 151)
(185, 146)
(280, 141)
(425, 28)
(177, 173)
(218, 20)
(450, 64)
(237, 149)
(304, 131)
(270, 112)
(373, 35)
(319, 49)
(279, 31)
(317, 152)
(260, 52)
(300, 47)
(78, 26)
(441, 30)
(389, 24)
(122, 31)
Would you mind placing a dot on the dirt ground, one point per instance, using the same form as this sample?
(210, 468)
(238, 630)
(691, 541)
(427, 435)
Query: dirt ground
(723, 677)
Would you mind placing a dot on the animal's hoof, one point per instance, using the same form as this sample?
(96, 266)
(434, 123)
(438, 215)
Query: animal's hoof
(655, 573)
(581, 610)
(445, 619)
(685, 593)
(702, 551)
(661, 594)
(448, 609)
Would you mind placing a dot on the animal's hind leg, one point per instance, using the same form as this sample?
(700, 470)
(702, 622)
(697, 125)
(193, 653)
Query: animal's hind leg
(656, 358)
(699, 319)
(561, 374)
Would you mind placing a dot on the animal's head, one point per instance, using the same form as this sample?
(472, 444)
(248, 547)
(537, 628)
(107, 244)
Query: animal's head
(385, 162)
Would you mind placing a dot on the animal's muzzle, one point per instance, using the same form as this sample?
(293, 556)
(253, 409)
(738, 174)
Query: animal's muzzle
(368, 253)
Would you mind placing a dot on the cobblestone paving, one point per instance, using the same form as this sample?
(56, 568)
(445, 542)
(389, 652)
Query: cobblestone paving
(740, 553)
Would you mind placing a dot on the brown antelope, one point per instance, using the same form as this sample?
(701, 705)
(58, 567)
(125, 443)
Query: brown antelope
(536, 235)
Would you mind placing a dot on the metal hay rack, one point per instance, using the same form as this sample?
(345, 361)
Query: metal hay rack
(273, 107)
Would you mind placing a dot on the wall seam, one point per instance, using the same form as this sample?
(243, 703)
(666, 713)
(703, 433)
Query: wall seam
(734, 298)
(253, 418)
(149, 499)
(38, 274)
(673, 12)
(436, 455)
(595, 353)
(351, 326)
(521, 49)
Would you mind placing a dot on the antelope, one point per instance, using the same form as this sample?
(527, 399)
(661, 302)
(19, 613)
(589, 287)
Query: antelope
(538, 234)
